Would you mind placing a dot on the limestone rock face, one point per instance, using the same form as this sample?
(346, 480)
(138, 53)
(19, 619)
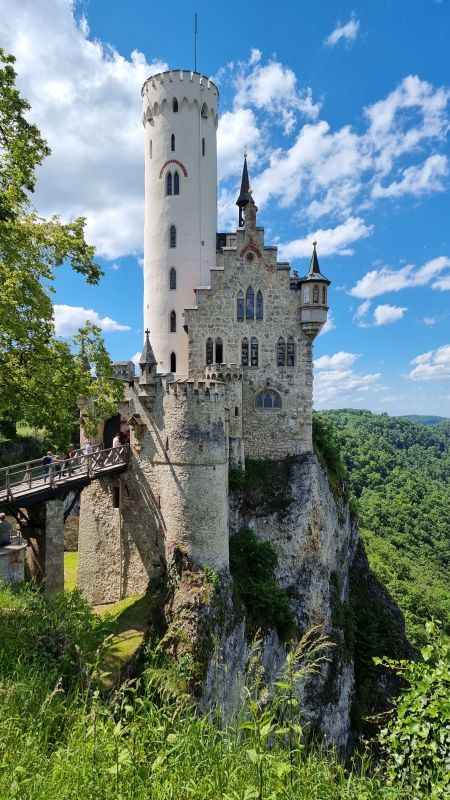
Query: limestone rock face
(315, 538)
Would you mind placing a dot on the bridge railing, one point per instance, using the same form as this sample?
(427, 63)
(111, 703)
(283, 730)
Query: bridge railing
(18, 479)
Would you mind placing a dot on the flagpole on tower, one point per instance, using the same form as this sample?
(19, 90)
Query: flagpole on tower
(195, 43)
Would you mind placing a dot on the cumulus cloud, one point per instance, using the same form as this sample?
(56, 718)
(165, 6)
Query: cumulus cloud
(235, 130)
(347, 32)
(380, 281)
(361, 313)
(329, 325)
(385, 314)
(432, 366)
(68, 319)
(416, 180)
(336, 361)
(330, 240)
(443, 284)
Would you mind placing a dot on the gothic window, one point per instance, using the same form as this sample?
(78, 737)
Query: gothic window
(209, 351)
(316, 294)
(306, 294)
(281, 352)
(173, 278)
(173, 236)
(175, 105)
(176, 183)
(259, 305)
(254, 352)
(240, 306)
(324, 295)
(244, 352)
(173, 322)
(203, 147)
(290, 352)
(250, 304)
(204, 111)
(172, 143)
(173, 362)
(169, 183)
(219, 350)
(268, 400)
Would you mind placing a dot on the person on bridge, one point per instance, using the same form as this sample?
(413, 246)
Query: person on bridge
(46, 461)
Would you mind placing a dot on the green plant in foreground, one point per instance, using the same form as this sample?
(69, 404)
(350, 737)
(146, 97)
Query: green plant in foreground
(417, 739)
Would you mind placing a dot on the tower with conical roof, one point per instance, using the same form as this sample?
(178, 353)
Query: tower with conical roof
(314, 289)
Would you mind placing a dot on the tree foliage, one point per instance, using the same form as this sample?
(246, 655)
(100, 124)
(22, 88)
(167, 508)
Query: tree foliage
(40, 374)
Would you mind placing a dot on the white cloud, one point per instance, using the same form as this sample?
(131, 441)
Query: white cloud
(236, 129)
(416, 180)
(443, 283)
(385, 314)
(361, 313)
(343, 386)
(432, 366)
(68, 319)
(337, 361)
(377, 282)
(330, 241)
(136, 358)
(348, 32)
(329, 325)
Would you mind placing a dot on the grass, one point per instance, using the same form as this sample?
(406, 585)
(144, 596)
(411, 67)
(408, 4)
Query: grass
(70, 571)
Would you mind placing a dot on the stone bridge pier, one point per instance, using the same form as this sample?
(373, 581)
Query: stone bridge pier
(42, 525)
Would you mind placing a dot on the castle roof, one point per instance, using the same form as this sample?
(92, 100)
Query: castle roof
(245, 195)
(147, 356)
(314, 273)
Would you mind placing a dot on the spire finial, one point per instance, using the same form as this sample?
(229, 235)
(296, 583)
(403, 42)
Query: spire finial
(245, 151)
(314, 243)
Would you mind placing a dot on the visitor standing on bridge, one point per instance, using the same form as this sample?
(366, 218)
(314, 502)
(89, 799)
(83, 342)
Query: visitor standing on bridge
(46, 461)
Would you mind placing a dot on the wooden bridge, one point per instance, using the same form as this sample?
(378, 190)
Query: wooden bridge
(33, 482)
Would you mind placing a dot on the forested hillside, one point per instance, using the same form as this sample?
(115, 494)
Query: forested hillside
(399, 472)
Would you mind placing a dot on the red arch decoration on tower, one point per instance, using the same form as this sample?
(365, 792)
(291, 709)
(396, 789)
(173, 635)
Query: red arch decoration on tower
(173, 161)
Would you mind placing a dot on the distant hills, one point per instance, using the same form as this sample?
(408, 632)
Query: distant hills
(421, 419)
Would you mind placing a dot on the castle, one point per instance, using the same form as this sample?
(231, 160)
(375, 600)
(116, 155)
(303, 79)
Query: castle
(226, 369)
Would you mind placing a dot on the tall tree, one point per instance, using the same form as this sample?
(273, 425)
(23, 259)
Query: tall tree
(39, 375)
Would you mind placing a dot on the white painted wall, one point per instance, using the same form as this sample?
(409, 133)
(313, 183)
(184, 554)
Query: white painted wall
(193, 211)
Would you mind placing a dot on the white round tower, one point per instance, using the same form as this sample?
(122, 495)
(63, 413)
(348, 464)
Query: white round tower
(180, 115)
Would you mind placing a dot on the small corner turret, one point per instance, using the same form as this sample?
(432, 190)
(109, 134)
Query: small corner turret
(314, 298)
(147, 362)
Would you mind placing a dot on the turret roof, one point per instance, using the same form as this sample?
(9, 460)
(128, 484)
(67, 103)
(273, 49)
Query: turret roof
(314, 273)
(245, 195)
(147, 356)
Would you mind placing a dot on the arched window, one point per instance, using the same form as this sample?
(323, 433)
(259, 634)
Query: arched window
(172, 143)
(244, 352)
(268, 400)
(290, 352)
(169, 183)
(240, 306)
(176, 183)
(281, 352)
(203, 146)
(306, 294)
(173, 321)
(173, 362)
(254, 352)
(259, 305)
(173, 236)
(173, 278)
(204, 111)
(250, 304)
(175, 105)
(324, 296)
(219, 350)
(209, 351)
(316, 294)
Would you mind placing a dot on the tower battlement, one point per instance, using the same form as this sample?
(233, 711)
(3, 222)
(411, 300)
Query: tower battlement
(209, 390)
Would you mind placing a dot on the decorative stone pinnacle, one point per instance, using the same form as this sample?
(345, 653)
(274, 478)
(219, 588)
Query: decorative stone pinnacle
(314, 243)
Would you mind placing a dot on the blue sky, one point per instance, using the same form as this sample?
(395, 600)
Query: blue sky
(344, 108)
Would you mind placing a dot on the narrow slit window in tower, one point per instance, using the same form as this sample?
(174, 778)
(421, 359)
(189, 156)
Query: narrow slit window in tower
(209, 351)
(219, 350)
(169, 183)
(254, 352)
(151, 149)
(316, 294)
(173, 278)
(116, 496)
(175, 105)
(240, 306)
(324, 296)
(176, 183)
(306, 294)
(203, 146)
(244, 352)
(290, 352)
(250, 304)
(281, 352)
(173, 364)
(259, 305)
(172, 143)
(173, 236)
(173, 322)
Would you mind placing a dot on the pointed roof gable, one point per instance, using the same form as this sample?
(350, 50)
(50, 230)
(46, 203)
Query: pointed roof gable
(147, 356)
(314, 272)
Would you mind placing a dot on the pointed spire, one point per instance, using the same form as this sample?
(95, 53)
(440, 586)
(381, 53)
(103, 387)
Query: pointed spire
(314, 268)
(147, 358)
(245, 195)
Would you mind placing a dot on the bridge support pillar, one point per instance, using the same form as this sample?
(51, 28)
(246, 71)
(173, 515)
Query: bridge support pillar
(45, 537)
